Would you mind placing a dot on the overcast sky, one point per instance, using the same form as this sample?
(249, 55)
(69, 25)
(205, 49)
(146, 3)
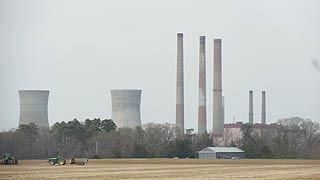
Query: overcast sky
(79, 50)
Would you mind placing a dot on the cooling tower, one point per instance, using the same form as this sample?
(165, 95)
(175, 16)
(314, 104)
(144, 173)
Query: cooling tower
(126, 108)
(202, 110)
(180, 85)
(34, 107)
(218, 121)
(250, 107)
(263, 109)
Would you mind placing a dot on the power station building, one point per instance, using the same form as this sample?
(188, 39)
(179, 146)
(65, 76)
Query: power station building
(34, 107)
(126, 107)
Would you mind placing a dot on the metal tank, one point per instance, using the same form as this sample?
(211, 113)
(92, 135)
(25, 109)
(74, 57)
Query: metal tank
(126, 107)
(34, 107)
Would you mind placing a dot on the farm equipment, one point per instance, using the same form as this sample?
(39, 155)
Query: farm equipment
(8, 159)
(57, 160)
(78, 161)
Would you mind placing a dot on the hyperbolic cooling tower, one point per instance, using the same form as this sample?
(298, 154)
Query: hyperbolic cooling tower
(202, 112)
(180, 85)
(34, 107)
(250, 107)
(263, 109)
(218, 122)
(126, 108)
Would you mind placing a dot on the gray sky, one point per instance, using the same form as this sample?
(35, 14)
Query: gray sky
(79, 50)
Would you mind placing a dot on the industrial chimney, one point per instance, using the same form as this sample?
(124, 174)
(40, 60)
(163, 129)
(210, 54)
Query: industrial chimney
(263, 109)
(180, 85)
(34, 107)
(250, 107)
(223, 111)
(202, 110)
(126, 107)
(218, 123)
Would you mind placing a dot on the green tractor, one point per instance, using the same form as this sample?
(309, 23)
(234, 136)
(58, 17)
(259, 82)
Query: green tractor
(8, 159)
(57, 160)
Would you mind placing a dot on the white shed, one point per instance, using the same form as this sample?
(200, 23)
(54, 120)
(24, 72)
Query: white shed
(221, 153)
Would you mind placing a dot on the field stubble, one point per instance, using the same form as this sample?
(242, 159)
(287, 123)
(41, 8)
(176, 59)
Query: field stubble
(166, 169)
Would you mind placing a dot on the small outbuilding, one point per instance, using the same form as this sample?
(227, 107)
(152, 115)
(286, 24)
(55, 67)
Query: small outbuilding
(221, 153)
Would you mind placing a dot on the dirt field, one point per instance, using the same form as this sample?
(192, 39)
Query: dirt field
(152, 169)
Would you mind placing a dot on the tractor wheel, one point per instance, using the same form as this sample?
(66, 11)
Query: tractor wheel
(52, 163)
(16, 161)
(61, 161)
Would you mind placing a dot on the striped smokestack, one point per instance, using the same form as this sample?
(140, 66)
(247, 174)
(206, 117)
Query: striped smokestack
(250, 107)
(180, 86)
(218, 122)
(263, 110)
(202, 112)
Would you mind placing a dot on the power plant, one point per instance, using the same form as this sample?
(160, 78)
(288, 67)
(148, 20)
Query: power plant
(34, 107)
(126, 107)
(126, 102)
(263, 108)
(180, 85)
(202, 109)
(250, 107)
(218, 121)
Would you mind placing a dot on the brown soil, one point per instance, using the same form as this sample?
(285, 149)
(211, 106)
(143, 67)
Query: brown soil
(152, 169)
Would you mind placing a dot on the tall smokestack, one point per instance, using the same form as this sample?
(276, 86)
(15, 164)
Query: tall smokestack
(218, 122)
(180, 85)
(202, 111)
(223, 108)
(263, 110)
(250, 107)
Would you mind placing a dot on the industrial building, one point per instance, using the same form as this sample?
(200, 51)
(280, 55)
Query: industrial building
(126, 107)
(34, 107)
(221, 153)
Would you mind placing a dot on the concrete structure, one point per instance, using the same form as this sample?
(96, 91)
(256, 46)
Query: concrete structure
(202, 109)
(263, 109)
(180, 85)
(126, 107)
(232, 133)
(223, 111)
(217, 90)
(250, 107)
(34, 107)
(221, 153)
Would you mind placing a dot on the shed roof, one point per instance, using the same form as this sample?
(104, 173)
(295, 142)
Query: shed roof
(221, 149)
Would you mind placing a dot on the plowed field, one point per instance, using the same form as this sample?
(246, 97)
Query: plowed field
(154, 169)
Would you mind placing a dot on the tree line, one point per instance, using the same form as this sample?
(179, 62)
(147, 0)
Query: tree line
(98, 138)
(289, 138)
